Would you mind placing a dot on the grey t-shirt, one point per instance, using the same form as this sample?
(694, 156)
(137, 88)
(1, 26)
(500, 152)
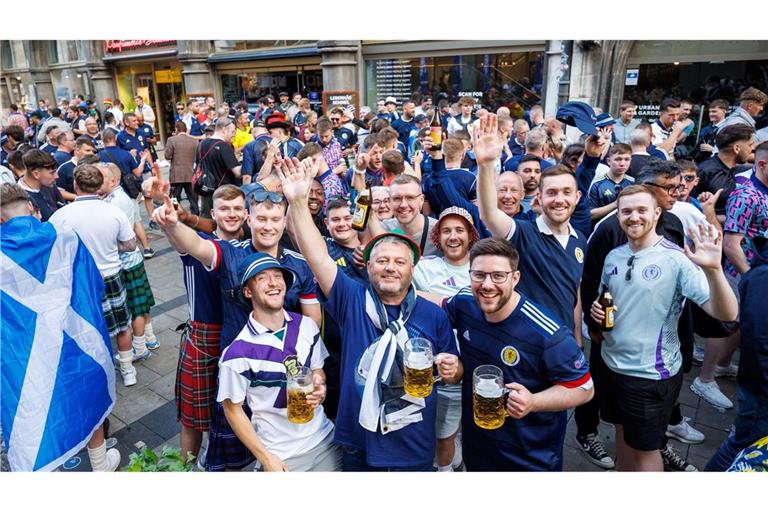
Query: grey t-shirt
(427, 248)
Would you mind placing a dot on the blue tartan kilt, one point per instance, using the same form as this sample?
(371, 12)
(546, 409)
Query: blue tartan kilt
(225, 451)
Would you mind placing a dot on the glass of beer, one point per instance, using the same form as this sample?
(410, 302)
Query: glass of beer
(418, 361)
(299, 386)
(488, 397)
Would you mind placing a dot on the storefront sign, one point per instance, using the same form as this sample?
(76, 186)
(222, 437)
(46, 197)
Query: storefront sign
(632, 77)
(168, 76)
(122, 45)
(341, 99)
(649, 112)
(394, 78)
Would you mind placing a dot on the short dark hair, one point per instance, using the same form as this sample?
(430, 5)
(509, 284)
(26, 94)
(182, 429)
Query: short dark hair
(687, 165)
(88, 178)
(89, 160)
(761, 148)
(495, 247)
(730, 135)
(572, 154)
(392, 160)
(529, 158)
(719, 103)
(379, 125)
(15, 131)
(309, 149)
(11, 193)
(63, 135)
(323, 125)
(626, 104)
(16, 158)
(555, 170)
(55, 112)
(620, 148)
(84, 141)
(337, 203)
(668, 103)
(181, 127)
(371, 140)
(36, 159)
(655, 168)
(50, 128)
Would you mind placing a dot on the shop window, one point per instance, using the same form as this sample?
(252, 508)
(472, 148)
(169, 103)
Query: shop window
(511, 79)
(260, 44)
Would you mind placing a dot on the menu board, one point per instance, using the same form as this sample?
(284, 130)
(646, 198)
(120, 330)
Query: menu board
(394, 78)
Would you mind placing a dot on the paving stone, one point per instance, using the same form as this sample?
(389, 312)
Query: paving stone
(162, 421)
(165, 386)
(144, 377)
(164, 359)
(132, 407)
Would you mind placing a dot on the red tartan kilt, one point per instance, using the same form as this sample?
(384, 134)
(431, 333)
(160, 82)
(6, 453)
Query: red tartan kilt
(196, 375)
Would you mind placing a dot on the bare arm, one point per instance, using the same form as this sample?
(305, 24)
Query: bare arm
(599, 213)
(487, 148)
(521, 402)
(243, 429)
(577, 311)
(732, 249)
(68, 196)
(314, 312)
(296, 179)
(127, 246)
(184, 239)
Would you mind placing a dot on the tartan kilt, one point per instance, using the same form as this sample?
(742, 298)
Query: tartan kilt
(113, 305)
(140, 297)
(225, 450)
(196, 375)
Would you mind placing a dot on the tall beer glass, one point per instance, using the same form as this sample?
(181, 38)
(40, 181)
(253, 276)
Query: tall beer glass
(488, 397)
(418, 361)
(299, 386)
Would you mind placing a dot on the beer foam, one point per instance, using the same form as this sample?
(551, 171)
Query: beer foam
(488, 388)
(418, 361)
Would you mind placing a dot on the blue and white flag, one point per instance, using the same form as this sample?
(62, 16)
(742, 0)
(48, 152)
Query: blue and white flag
(57, 381)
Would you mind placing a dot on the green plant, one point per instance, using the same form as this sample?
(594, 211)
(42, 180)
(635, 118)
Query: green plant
(146, 460)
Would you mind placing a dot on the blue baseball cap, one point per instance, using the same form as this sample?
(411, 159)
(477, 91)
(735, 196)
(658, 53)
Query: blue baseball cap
(605, 119)
(578, 114)
(259, 262)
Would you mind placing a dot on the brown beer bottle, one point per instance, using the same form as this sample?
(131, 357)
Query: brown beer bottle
(362, 209)
(436, 129)
(606, 301)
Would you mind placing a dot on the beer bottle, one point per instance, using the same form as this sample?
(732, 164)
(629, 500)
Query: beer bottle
(436, 129)
(606, 301)
(362, 209)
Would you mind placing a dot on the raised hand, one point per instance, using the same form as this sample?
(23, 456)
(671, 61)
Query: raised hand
(486, 141)
(166, 215)
(294, 180)
(707, 247)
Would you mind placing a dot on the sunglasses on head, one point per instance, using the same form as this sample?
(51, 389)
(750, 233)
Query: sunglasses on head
(261, 195)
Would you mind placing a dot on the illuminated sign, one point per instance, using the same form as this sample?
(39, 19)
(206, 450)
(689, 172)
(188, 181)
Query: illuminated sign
(121, 45)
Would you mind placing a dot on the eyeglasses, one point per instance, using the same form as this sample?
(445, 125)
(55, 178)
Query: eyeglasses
(336, 119)
(408, 199)
(670, 190)
(377, 202)
(180, 109)
(498, 277)
(689, 177)
(631, 264)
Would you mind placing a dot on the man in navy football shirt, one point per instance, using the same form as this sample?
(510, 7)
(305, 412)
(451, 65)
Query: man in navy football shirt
(379, 428)
(543, 368)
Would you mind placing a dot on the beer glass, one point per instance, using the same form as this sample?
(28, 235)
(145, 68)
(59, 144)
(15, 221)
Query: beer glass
(418, 360)
(299, 386)
(488, 397)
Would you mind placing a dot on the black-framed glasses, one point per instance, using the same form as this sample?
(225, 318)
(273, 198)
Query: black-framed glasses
(670, 190)
(689, 177)
(336, 119)
(631, 265)
(498, 277)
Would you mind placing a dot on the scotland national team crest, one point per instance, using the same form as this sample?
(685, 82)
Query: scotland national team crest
(510, 355)
(579, 255)
(651, 272)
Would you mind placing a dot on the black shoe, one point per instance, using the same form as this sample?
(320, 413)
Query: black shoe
(674, 462)
(594, 450)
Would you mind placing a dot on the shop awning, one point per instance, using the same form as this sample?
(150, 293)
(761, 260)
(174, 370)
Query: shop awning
(277, 53)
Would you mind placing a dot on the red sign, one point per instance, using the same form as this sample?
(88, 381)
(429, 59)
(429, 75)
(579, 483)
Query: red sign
(121, 45)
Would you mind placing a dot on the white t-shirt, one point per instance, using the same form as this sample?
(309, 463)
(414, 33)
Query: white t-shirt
(128, 206)
(253, 367)
(434, 275)
(100, 225)
(690, 216)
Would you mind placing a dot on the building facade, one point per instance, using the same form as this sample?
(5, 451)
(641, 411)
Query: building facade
(517, 74)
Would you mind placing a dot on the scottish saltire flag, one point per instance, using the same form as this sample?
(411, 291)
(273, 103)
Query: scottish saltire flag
(57, 381)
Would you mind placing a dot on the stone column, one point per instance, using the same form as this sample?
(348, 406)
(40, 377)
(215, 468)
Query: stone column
(340, 65)
(193, 56)
(99, 74)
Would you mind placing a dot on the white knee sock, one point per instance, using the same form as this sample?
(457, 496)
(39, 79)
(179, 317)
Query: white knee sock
(148, 331)
(445, 469)
(126, 359)
(139, 344)
(98, 457)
